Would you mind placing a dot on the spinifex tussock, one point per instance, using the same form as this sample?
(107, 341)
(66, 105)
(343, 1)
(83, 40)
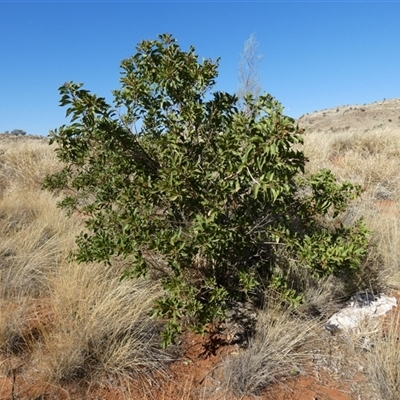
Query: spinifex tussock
(34, 236)
(369, 158)
(103, 325)
(24, 164)
(382, 361)
(272, 354)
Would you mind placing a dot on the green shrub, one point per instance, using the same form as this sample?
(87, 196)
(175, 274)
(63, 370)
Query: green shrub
(193, 189)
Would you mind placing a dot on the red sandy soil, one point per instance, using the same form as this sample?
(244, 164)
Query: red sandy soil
(193, 376)
(197, 374)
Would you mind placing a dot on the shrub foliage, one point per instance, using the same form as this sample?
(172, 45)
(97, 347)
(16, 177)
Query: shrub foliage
(193, 189)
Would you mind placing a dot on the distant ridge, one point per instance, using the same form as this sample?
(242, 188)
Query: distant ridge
(379, 115)
(7, 137)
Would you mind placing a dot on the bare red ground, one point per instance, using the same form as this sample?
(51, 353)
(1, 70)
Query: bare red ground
(194, 376)
(197, 374)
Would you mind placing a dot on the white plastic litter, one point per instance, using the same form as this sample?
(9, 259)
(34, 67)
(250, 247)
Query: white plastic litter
(362, 306)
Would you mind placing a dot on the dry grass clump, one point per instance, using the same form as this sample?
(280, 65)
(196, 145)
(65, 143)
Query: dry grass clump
(34, 236)
(370, 159)
(274, 353)
(24, 164)
(367, 158)
(14, 337)
(382, 360)
(103, 325)
(374, 349)
(73, 321)
(386, 250)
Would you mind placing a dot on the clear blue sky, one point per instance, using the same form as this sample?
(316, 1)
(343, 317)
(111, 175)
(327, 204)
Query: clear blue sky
(316, 55)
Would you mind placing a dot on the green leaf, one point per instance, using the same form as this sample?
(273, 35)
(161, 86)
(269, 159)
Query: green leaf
(256, 188)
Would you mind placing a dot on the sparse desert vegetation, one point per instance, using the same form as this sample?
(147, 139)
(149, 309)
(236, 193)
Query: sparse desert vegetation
(67, 326)
(66, 321)
(72, 330)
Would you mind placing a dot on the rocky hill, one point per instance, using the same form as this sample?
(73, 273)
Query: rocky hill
(379, 115)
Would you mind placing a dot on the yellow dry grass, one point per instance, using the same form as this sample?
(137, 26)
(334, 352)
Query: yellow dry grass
(273, 354)
(79, 322)
(103, 326)
(371, 159)
(382, 360)
(75, 321)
